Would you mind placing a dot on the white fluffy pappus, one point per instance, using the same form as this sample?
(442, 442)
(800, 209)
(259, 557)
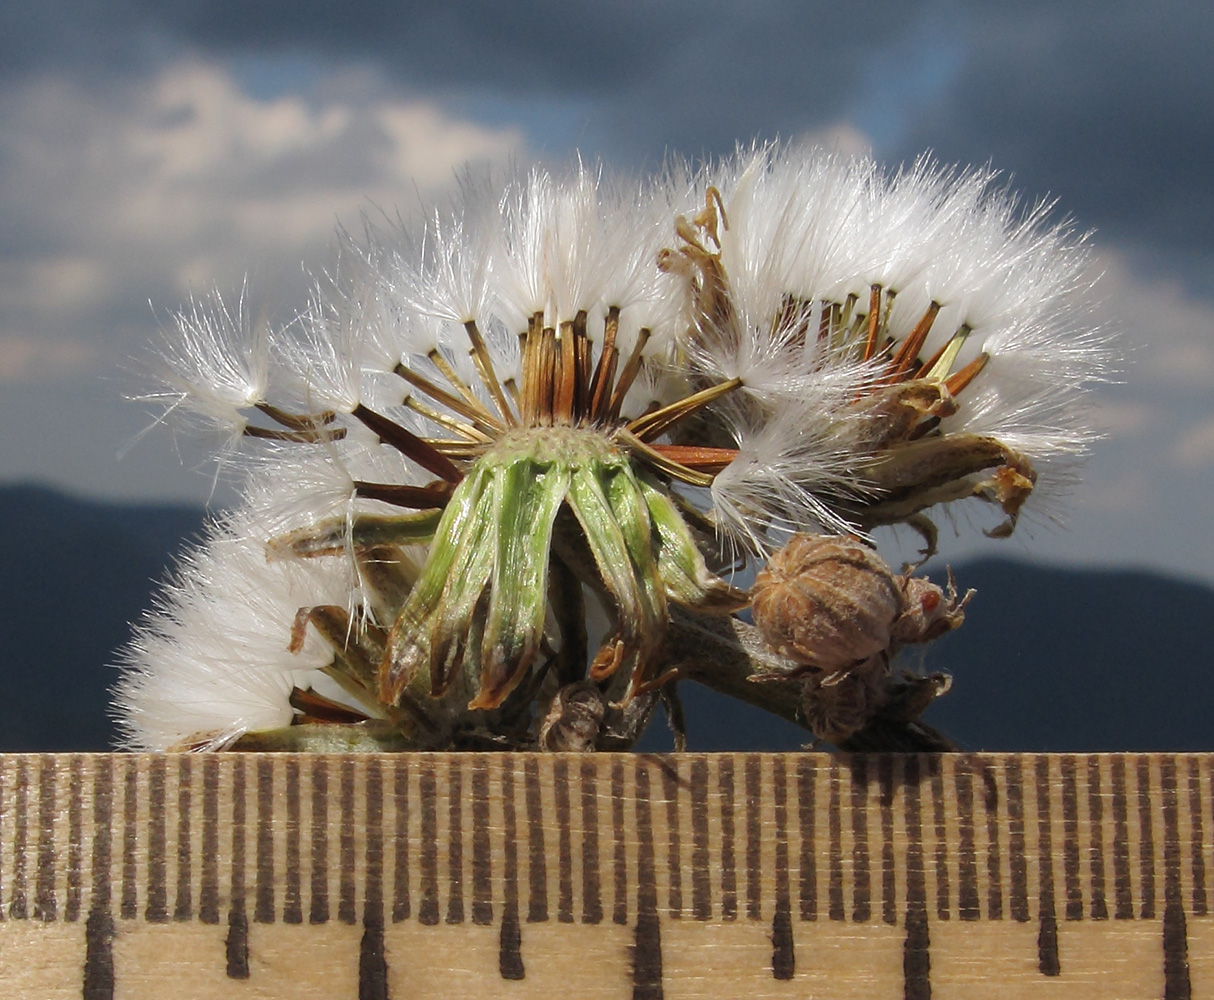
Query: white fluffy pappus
(211, 660)
(213, 366)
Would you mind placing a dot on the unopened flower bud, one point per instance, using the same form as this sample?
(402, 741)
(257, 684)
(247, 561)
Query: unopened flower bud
(828, 602)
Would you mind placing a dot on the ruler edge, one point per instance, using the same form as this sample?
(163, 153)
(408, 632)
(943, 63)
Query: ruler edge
(1193, 841)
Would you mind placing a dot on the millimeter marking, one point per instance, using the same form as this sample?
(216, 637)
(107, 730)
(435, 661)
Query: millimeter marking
(649, 846)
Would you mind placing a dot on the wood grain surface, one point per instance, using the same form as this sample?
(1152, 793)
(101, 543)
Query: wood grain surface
(681, 876)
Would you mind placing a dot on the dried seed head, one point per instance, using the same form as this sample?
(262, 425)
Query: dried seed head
(827, 602)
(818, 344)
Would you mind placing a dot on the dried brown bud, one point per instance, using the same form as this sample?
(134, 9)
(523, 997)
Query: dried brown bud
(828, 602)
(574, 719)
(832, 605)
(843, 704)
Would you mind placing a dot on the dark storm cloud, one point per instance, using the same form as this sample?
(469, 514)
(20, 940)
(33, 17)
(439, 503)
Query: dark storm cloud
(517, 47)
(1109, 106)
(556, 47)
(692, 76)
(695, 76)
(94, 37)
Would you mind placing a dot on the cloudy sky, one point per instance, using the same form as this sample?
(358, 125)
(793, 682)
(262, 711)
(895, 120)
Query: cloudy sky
(155, 149)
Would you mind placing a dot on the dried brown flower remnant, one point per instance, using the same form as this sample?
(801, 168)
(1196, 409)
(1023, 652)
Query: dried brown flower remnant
(837, 707)
(832, 605)
(930, 611)
(574, 719)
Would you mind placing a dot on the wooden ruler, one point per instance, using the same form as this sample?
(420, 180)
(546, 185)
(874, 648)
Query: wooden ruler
(516, 875)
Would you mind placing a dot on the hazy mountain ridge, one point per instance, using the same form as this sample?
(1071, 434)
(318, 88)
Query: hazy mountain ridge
(73, 574)
(1049, 659)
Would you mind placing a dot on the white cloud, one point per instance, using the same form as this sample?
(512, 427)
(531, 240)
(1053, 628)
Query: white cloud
(1122, 418)
(23, 358)
(1114, 490)
(842, 137)
(1195, 448)
(283, 170)
(427, 147)
(1169, 334)
(152, 192)
(60, 284)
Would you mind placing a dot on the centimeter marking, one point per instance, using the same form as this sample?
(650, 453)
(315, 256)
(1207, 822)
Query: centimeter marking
(648, 845)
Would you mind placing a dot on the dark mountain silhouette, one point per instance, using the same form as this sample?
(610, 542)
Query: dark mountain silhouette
(1048, 659)
(1084, 660)
(73, 574)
